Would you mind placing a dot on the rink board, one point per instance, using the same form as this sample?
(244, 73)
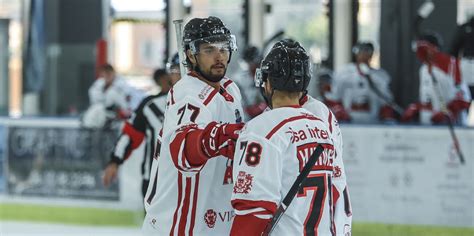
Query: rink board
(396, 174)
(409, 175)
(55, 158)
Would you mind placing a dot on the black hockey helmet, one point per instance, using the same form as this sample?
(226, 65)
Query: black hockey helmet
(433, 38)
(207, 30)
(287, 65)
(363, 47)
(172, 66)
(251, 54)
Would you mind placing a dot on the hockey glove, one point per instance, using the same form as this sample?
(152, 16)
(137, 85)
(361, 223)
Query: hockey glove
(386, 113)
(411, 113)
(338, 109)
(457, 105)
(219, 139)
(439, 118)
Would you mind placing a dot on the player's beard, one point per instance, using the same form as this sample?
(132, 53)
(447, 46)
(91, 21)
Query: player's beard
(213, 77)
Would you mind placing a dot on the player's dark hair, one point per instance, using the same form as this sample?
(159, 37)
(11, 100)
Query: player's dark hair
(159, 74)
(107, 68)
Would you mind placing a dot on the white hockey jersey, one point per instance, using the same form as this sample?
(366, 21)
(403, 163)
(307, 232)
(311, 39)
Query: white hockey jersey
(270, 153)
(184, 199)
(353, 90)
(433, 98)
(340, 191)
(120, 94)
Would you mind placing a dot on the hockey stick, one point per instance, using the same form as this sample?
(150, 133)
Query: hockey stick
(379, 94)
(445, 111)
(178, 27)
(274, 37)
(423, 12)
(293, 190)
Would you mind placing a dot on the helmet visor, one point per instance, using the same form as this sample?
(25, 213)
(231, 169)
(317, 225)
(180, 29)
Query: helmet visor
(217, 43)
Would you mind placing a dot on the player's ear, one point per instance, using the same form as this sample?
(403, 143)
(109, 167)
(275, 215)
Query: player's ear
(191, 57)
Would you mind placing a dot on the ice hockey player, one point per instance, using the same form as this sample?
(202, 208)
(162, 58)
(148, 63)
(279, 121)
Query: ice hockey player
(191, 179)
(144, 126)
(359, 87)
(273, 148)
(443, 93)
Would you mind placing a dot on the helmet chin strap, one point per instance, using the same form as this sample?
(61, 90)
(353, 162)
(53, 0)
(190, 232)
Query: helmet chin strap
(268, 100)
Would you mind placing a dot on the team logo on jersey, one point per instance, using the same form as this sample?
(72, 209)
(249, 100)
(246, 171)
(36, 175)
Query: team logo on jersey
(210, 218)
(204, 92)
(244, 183)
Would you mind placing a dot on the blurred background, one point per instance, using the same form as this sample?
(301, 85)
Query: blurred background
(405, 176)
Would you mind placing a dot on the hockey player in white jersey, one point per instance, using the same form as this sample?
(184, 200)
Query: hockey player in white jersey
(144, 126)
(273, 148)
(361, 88)
(191, 180)
(443, 92)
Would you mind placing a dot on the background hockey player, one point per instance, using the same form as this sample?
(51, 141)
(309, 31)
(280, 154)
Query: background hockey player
(443, 93)
(110, 97)
(144, 126)
(359, 87)
(251, 99)
(191, 180)
(273, 148)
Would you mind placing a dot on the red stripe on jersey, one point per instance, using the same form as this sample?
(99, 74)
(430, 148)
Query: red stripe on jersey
(330, 121)
(135, 135)
(291, 119)
(335, 197)
(136, 138)
(227, 83)
(241, 205)
(172, 96)
(185, 209)
(175, 147)
(209, 98)
(175, 217)
(193, 213)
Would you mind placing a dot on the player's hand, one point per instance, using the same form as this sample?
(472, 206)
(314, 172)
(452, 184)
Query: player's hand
(110, 173)
(338, 109)
(458, 105)
(411, 112)
(386, 113)
(439, 118)
(219, 139)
